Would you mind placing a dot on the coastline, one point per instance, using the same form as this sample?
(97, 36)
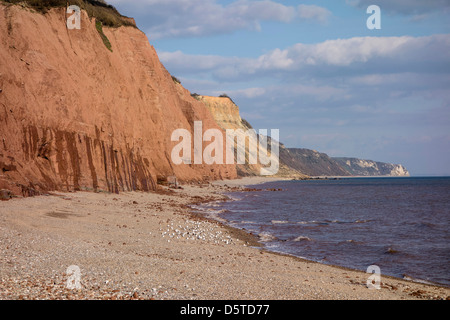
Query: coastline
(248, 181)
(254, 181)
(153, 246)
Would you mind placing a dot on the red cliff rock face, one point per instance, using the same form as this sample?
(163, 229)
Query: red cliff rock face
(76, 116)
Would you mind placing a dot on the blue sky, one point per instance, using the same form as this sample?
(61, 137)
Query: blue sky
(315, 71)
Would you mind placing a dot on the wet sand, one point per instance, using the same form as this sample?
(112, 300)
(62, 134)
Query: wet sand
(151, 246)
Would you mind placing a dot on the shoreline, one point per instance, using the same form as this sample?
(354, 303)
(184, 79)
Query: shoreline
(250, 181)
(153, 246)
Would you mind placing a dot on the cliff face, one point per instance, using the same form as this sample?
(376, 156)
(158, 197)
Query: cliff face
(76, 116)
(314, 163)
(358, 167)
(225, 112)
(227, 115)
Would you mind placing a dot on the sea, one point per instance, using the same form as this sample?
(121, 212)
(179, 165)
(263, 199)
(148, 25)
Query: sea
(400, 225)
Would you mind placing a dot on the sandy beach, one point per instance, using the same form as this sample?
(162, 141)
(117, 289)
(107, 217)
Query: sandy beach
(151, 246)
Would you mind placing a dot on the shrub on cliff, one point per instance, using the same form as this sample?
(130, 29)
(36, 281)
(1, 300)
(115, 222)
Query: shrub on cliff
(98, 9)
(224, 95)
(196, 96)
(176, 80)
(246, 124)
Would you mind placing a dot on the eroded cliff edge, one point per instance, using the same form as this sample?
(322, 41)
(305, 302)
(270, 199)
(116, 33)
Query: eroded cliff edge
(76, 116)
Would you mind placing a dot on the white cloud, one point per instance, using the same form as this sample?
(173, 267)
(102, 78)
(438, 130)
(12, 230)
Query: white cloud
(261, 11)
(360, 55)
(344, 52)
(192, 18)
(319, 92)
(249, 93)
(369, 79)
(314, 12)
(276, 59)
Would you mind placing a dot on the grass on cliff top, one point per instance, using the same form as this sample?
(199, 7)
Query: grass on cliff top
(98, 9)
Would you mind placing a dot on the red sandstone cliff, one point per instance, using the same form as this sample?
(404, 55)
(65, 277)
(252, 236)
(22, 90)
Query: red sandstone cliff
(76, 116)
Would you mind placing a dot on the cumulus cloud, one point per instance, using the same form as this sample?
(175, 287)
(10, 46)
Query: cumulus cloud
(292, 90)
(192, 18)
(359, 55)
(250, 92)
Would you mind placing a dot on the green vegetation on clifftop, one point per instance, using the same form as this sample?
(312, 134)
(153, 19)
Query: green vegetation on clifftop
(98, 9)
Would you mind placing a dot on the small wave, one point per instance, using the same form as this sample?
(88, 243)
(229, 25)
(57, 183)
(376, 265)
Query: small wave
(409, 278)
(214, 204)
(248, 222)
(214, 211)
(308, 222)
(197, 207)
(314, 223)
(351, 241)
(266, 237)
(302, 238)
(327, 222)
(234, 198)
(343, 222)
(213, 214)
(338, 221)
(362, 221)
(279, 222)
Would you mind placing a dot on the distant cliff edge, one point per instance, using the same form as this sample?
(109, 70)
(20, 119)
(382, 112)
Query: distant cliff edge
(297, 162)
(358, 167)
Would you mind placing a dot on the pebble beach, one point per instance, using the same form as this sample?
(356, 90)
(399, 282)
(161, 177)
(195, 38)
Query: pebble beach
(152, 246)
